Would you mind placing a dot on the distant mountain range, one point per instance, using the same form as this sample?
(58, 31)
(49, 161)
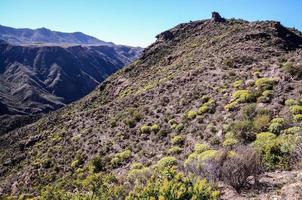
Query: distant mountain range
(43, 70)
(43, 78)
(43, 36)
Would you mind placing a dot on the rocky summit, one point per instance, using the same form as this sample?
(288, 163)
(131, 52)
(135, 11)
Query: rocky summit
(211, 110)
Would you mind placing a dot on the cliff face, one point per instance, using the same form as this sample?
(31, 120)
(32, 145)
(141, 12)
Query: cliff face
(219, 83)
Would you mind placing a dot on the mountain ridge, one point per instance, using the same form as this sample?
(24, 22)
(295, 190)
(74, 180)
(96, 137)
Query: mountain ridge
(44, 36)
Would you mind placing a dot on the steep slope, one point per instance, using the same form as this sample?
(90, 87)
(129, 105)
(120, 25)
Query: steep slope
(39, 79)
(202, 88)
(44, 36)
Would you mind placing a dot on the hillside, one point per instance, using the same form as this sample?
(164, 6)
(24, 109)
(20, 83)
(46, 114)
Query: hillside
(42, 36)
(219, 99)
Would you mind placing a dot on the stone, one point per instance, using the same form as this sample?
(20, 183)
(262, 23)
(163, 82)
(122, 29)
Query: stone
(217, 18)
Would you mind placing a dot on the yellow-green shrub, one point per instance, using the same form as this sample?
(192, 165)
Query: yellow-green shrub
(177, 140)
(291, 102)
(179, 127)
(277, 124)
(231, 106)
(138, 173)
(165, 162)
(155, 128)
(200, 157)
(243, 96)
(261, 122)
(293, 130)
(171, 185)
(175, 150)
(275, 150)
(191, 114)
(230, 139)
(121, 157)
(145, 129)
(237, 83)
(199, 148)
(298, 117)
(265, 83)
(296, 109)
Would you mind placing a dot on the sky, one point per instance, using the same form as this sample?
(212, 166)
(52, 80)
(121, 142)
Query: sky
(137, 22)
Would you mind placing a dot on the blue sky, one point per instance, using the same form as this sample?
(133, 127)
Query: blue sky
(136, 22)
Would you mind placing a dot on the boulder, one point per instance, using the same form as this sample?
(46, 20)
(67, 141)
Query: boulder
(217, 18)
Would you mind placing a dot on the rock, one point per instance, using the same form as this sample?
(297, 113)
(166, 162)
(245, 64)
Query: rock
(292, 191)
(166, 35)
(217, 18)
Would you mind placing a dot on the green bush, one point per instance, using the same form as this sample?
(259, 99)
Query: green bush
(237, 84)
(243, 130)
(266, 96)
(136, 165)
(145, 129)
(178, 140)
(166, 162)
(207, 106)
(199, 148)
(268, 93)
(179, 127)
(191, 114)
(243, 96)
(230, 142)
(248, 111)
(278, 120)
(293, 130)
(120, 158)
(298, 117)
(296, 109)
(138, 173)
(136, 115)
(231, 106)
(175, 150)
(95, 186)
(275, 150)
(261, 122)
(97, 164)
(267, 145)
(155, 128)
(291, 102)
(201, 157)
(275, 128)
(265, 83)
(202, 110)
(172, 185)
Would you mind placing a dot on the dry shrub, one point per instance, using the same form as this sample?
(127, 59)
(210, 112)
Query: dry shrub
(296, 157)
(238, 169)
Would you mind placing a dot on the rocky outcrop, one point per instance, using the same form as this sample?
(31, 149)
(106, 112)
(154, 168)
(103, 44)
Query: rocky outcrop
(216, 17)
